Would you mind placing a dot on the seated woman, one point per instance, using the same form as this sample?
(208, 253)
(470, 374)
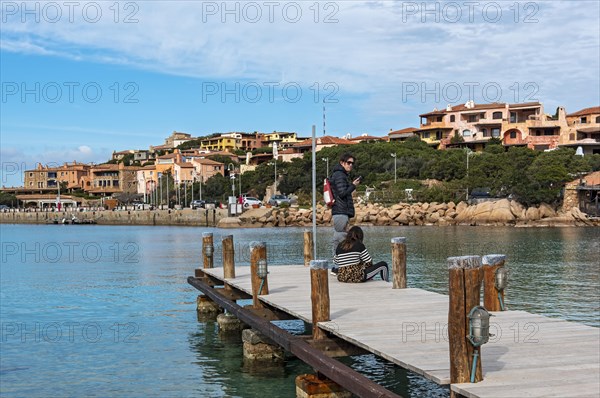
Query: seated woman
(354, 262)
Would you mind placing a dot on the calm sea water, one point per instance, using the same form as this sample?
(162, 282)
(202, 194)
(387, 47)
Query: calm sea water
(106, 310)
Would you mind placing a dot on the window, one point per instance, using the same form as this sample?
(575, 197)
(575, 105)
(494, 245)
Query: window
(583, 119)
(438, 135)
(497, 115)
(597, 119)
(496, 132)
(513, 135)
(425, 135)
(452, 118)
(466, 133)
(30, 174)
(571, 137)
(30, 183)
(513, 117)
(439, 118)
(485, 132)
(472, 118)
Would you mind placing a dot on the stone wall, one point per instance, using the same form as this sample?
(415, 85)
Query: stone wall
(129, 217)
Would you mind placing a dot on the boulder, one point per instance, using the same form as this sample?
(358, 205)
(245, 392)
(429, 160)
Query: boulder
(546, 211)
(517, 209)
(532, 214)
(501, 212)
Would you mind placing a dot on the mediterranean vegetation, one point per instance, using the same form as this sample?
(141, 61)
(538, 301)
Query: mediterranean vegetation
(528, 176)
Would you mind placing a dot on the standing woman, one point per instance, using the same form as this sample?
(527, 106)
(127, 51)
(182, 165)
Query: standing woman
(354, 262)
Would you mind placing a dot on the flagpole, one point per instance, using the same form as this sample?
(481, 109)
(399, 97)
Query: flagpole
(314, 191)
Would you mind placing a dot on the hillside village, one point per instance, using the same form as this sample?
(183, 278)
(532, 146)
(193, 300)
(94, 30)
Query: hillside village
(187, 160)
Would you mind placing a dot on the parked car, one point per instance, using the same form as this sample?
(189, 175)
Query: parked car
(480, 193)
(249, 201)
(4, 207)
(198, 204)
(277, 200)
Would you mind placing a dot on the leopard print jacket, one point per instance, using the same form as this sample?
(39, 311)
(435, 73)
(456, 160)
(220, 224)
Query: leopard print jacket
(352, 273)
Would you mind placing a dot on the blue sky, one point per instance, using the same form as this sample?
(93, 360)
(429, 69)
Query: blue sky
(82, 79)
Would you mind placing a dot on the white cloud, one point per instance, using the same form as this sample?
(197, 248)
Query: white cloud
(372, 49)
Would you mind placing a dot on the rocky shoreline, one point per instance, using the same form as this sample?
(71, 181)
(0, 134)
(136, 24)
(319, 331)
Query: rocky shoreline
(502, 212)
(490, 213)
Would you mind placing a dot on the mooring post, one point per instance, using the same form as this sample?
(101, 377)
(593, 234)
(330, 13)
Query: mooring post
(208, 249)
(258, 262)
(308, 247)
(493, 299)
(319, 296)
(228, 257)
(464, 288)
(399, 263)
(203, 304)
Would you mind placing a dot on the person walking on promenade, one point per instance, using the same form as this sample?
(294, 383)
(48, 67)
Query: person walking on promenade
(354, 262)
(343, 207)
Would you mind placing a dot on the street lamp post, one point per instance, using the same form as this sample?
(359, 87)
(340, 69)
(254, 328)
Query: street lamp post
(240, 179)
(469, 153)
(327, 161)
(231, 167)
(160, 188)
(275, 184)
(395, 167)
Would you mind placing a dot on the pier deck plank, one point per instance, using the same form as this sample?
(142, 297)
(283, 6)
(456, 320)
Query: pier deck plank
(529, 356)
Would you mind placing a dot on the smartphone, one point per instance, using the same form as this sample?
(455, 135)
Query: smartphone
(359, 178)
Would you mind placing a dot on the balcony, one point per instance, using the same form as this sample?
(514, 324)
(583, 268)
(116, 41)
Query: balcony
(434, 125)
(489, 121)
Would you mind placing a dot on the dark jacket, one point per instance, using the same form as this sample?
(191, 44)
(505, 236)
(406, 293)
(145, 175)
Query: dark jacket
(342, 192)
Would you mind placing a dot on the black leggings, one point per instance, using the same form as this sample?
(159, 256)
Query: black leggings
(379, 268)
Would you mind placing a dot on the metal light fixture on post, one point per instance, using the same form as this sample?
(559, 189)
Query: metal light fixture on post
(395, 167)
(500, 282)
(209, 250)
(262, 272)
(479, 333)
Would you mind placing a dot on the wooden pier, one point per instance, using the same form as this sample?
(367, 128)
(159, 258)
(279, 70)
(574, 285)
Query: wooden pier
(528, 356)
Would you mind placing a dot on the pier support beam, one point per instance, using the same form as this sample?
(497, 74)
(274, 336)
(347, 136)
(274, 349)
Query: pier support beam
(399, 263)
(258, 348)
(308, 247)
(319, 296)
(311, 386)
(465, 275)
(228, 258)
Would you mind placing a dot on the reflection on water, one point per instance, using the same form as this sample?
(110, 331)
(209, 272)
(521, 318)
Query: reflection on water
(106, 310)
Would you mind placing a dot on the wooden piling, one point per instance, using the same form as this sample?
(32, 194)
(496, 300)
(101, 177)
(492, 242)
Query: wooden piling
(308, 247)
(491, 263)
(319, 296)
(258, 251)
(228, 257)
(399, 263)
(208, 249)
(465, 277)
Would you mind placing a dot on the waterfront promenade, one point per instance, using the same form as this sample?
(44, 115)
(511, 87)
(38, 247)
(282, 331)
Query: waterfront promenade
(185, 217)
